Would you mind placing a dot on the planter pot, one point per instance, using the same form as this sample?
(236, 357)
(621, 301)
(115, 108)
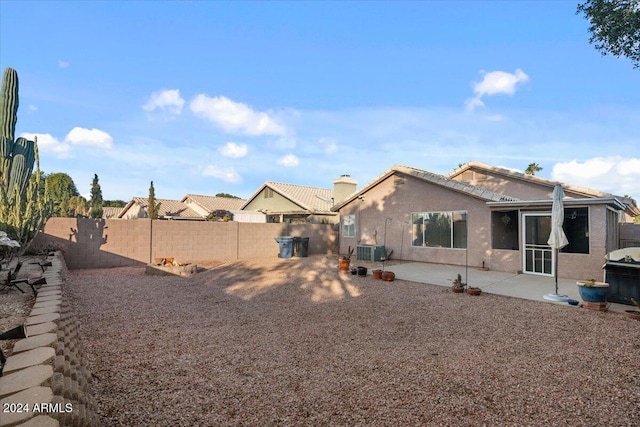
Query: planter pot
(377, 274)
(388, 276)
(362, 271)
(596, 293)
(457, 289)
(343, 264)
(632, 314)
(474, 291)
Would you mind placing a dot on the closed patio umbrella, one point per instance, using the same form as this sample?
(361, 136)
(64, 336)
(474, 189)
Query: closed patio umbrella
(557, 238)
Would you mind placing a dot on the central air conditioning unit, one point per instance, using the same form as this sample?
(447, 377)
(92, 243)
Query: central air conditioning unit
(372, 253)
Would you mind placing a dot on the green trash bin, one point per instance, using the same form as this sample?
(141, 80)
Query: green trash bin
(286, 246)
(301, 246)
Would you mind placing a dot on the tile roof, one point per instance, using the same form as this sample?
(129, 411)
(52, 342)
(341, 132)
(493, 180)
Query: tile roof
(311, 199)
(173, 208)
(434, 178)
(110, 212)
(212, 203)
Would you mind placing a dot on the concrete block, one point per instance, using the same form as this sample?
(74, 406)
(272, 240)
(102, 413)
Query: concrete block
(43, 318)
(56, 303)
(41, 328)
(50, 293)
(28, 358)
(41, 298)
(26, 378)
(41, 421)
(43, 340)
(29, 397)
(45, 310)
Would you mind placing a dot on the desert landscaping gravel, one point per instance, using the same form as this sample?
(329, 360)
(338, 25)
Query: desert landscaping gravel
(293, 342)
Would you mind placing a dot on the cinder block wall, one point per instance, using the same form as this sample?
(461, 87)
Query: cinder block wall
(629, 235)
(99, 243)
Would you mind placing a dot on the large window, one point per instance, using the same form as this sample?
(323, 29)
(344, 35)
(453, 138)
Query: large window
(349, 225)
(576, 228)
(504, 230)
(439, 229)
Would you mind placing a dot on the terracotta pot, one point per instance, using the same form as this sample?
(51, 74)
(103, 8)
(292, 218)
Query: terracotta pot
(388, 276)
(377, 274)
(632, 314)
(474, 291)
(343, 264)
(457, 289)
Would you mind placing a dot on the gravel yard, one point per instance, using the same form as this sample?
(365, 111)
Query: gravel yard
(293, 342)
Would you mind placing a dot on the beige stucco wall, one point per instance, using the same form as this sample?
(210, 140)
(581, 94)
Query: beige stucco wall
(397, 202)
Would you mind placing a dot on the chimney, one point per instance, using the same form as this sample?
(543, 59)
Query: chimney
(343, 187)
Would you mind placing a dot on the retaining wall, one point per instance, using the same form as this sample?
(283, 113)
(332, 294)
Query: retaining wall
(45, 382)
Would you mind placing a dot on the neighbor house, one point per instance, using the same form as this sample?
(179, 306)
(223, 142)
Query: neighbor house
(169, 209)
(299, 203)
(481, 216)
(208, 206)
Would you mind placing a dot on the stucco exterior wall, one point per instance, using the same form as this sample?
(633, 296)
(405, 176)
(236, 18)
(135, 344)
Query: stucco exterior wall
(398, 201)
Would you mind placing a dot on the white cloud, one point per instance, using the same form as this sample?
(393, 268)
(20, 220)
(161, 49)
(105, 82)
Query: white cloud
(235, 117)
(329, 144)
(48, 143)
(63, 64)
(616, 174)
(289, 161)
(495, 83)
(168, 101)
(233, 150)
(225, 174)
(89, 137)
(33, 108)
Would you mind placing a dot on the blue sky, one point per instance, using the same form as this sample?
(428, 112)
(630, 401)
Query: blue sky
(209, 97)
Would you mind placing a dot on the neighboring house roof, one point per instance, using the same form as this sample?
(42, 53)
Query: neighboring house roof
(629, 203)
(212, 203)
(110, 212)
(471, 190)
(311, 199)
(168, 208)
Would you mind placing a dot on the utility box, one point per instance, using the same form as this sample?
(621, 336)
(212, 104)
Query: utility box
(371, 253)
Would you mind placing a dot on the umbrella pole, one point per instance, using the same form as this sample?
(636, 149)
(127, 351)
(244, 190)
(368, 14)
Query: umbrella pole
(556, 268)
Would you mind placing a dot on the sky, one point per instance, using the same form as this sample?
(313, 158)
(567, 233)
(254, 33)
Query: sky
(212, 97)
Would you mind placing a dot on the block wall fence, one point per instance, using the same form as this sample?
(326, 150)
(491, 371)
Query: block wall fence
(104, 243)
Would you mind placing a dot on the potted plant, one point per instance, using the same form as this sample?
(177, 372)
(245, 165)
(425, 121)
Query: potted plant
(377, 274)
(345, 260)
(388, 276)
(458, 285)
(472, 290)
(633, 314)
(593, 293)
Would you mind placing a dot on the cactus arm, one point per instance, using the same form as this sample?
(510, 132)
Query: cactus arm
(9, 104)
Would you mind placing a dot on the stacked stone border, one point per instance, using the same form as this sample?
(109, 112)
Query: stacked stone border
(45, 382)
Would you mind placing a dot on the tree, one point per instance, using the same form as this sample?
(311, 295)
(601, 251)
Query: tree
(533, 168)
(77, 206)
(61, 189)
(227, 195)
(153, 207)
(114, 204)
(96, 202)
(614, 27)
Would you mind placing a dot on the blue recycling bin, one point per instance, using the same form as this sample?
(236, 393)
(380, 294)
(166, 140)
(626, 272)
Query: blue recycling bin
(286, 247)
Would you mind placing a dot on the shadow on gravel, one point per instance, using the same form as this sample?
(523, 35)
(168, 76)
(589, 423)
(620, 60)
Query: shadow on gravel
(316, 277)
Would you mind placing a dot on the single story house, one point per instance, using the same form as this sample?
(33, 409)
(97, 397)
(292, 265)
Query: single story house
(210, 205)
(299, 203)
(169, 209)
(482, 215)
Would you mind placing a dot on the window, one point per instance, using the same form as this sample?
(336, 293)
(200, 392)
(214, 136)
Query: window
(504, 230)
(349, 225)
(268, 193)
(439, 229)
(576, 228)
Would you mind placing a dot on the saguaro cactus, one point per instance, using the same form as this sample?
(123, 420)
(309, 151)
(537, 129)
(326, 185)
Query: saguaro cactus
(23, 207)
